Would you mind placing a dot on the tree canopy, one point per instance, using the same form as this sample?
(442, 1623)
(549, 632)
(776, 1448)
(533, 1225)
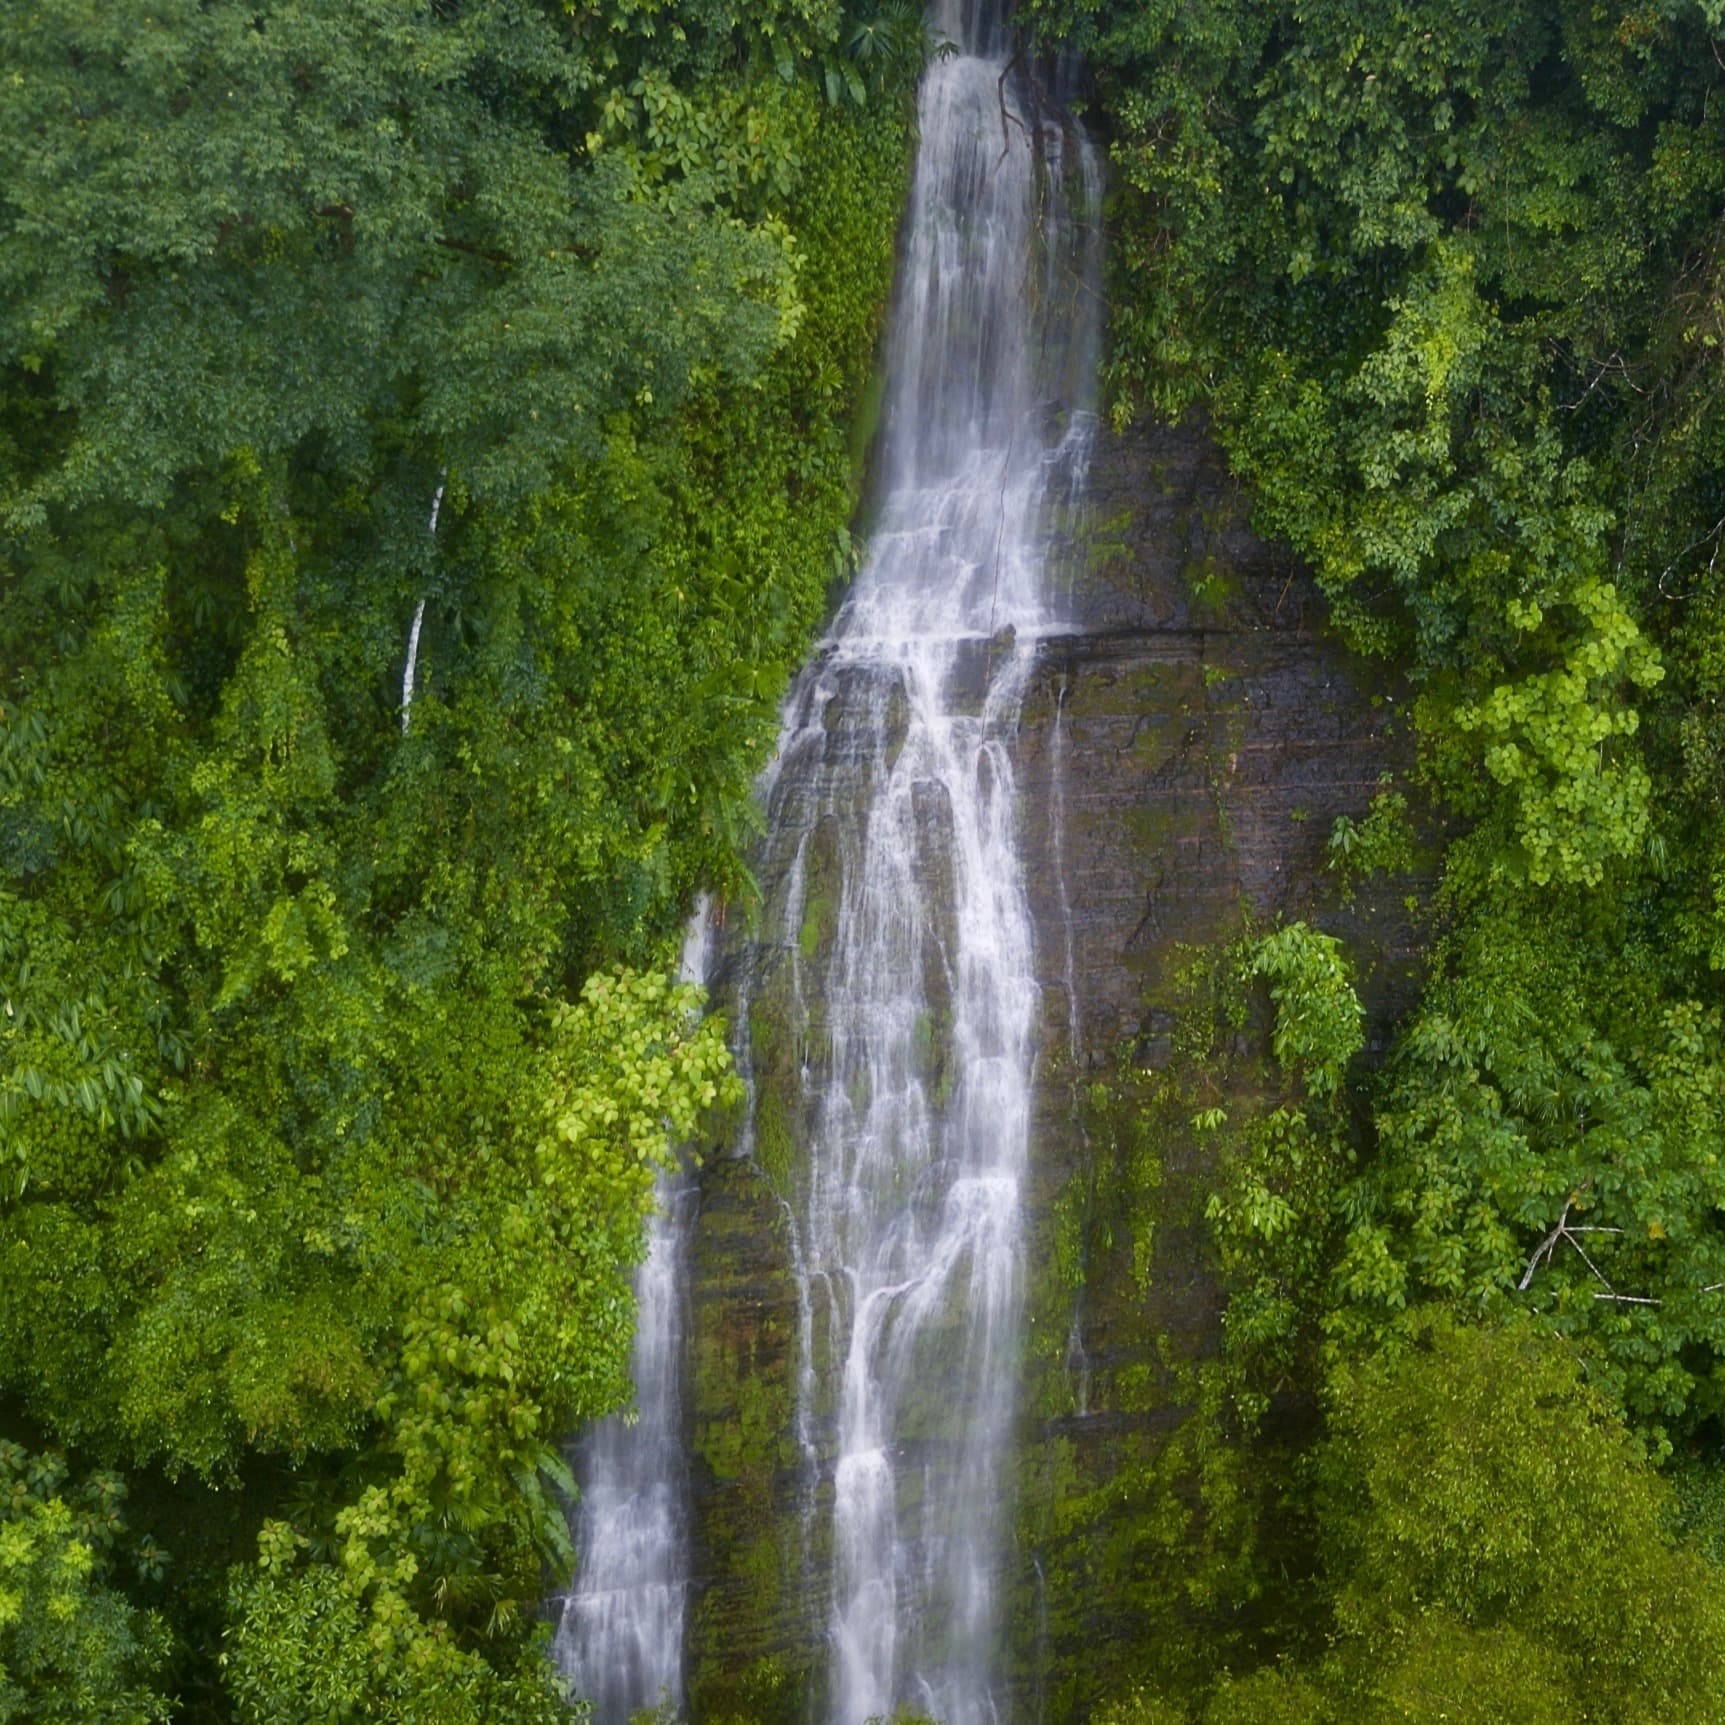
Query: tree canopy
(425, 447)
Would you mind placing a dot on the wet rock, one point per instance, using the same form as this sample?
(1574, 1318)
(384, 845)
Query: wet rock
(1183, 755)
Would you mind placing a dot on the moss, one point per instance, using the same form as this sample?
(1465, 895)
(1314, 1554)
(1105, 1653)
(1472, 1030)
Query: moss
(926, 1035)
(775, 1146)
(865, 423)
(822, 884)
(1105, 1598)
(752, 1443)
(768, 1692)
(760, 1033)
(1106, 540)
(775, 1037)
(743, 1364)
(817, 911)
(1211, 582)
(1069, 1225)
(1149, 1521)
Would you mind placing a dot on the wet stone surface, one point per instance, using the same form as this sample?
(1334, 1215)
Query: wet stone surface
(1212, 733)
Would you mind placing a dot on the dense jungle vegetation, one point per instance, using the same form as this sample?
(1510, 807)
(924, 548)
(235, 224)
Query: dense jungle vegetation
(426, 448)
(1448, 281)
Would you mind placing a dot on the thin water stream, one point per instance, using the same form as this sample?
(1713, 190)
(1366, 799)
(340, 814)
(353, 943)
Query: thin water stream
(620, 1636)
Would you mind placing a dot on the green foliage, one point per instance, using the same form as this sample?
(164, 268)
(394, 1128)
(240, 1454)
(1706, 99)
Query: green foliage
(336, 1055)
(72, 1648)
(1272, 1209)
(1318, 1016)
(1164, 1500)
(1436, 254)
(333, 1643)
(1446, 280)
(1476, 1486)
(1272, 1218)
(1382, 843)
(350, 224)
(1538, 1148)
(1494, 1548)
(1141, 1708)
(1574, 808)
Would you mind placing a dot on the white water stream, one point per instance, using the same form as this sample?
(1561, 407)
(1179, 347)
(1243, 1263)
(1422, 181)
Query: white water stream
(897, 750)
(620, 1637)
(917, 1001)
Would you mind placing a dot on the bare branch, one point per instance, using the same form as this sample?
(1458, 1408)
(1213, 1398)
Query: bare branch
(1569, 1235)
(1542, 1251)
(1561, 1230)
(412, 664)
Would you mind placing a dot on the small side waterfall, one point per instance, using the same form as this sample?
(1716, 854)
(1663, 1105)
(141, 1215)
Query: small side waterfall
(620, 1638)
(897, 942)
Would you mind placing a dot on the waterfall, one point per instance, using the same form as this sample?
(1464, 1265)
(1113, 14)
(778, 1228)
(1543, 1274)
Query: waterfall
(620, 1637)
(897, 936)
(896, 945)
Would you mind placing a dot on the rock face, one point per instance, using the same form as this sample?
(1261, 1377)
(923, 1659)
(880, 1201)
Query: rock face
(1182, 755)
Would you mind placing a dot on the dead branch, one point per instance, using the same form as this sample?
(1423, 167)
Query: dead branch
(1564, 1230)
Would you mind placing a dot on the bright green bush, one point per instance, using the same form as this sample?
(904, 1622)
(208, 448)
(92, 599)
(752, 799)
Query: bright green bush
(73, 1650)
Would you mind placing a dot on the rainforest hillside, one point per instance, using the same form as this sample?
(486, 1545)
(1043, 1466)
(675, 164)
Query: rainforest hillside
(430, 437)
(426, 449)
(1448, 283)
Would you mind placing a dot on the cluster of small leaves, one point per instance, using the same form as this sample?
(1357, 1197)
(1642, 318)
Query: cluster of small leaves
(1272, 1213)
(73, 1650)
(1381, 843)
(1319, 1020)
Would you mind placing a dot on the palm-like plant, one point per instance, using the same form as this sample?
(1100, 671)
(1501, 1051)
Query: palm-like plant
(884, 51)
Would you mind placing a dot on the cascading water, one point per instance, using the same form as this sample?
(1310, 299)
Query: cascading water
(916, 1011)
(620, 1637)
(897, 935)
